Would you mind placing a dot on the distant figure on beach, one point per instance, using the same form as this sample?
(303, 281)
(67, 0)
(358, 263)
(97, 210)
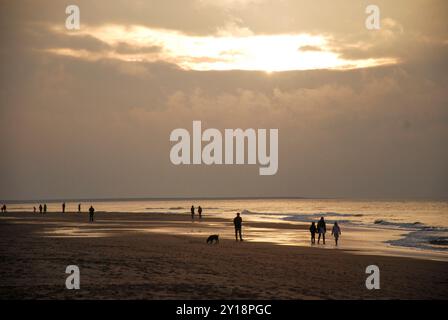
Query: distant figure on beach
(63, 207)
(79, 208)
(40, 208)
(4, 208)
(192, 212)
(45, 208)
(237, 222)
(34, 209)
(321, 229)
(336, 232)
(200, 212)
(313, 230)
(91, 212)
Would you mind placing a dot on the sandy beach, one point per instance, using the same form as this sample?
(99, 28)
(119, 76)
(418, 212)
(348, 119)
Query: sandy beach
(164, 256)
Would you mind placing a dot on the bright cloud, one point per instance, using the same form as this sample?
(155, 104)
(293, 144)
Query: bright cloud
(223, 51)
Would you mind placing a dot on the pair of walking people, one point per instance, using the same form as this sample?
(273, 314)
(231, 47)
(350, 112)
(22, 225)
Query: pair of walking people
(43, 209)
(321, 229)
(193, 212)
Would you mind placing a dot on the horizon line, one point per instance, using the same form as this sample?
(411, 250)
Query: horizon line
(111, 199)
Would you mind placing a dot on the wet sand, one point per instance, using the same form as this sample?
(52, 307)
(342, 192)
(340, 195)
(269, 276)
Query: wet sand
(164, 256)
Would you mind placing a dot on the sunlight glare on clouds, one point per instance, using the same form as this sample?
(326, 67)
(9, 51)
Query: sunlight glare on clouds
(224, 51)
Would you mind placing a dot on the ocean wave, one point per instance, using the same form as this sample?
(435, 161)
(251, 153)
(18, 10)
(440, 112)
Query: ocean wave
(408, 225)
(401, 225)
(422, 239)
(309, 219)
(305, 216)
(442, 241)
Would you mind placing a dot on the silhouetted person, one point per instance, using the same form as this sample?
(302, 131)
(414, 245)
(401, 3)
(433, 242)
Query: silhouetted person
(79, 207)
(192, 212)
(313, 230)
(237, 222)
(4, 208)
(34, 209)
(336, 232)
(91, 213)
(321, 228)
(40, 208)
(200, 212)
(63, 207)
(45, 208)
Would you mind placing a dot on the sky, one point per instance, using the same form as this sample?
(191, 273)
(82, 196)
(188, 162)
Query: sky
(88, 113)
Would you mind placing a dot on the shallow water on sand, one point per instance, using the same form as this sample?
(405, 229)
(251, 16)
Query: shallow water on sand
(412, 228)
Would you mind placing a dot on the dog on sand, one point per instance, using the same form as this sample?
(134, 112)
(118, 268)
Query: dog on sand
(213, 237)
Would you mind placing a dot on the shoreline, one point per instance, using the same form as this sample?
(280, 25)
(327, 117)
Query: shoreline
(360, 240)
(125, 256)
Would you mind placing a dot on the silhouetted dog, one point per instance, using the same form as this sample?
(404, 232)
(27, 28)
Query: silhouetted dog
(213, 237)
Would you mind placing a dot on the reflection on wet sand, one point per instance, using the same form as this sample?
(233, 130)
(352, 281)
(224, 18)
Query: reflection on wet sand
(355, 239)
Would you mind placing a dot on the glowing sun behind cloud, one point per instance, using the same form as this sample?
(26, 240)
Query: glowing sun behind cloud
(223, 51)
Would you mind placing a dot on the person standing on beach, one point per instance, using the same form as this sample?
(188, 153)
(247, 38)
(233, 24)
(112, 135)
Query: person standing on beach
(321, 228)
(336, 232)
(313, 230)
(192, 212)
(79, 208)
(40, 208)
(200, 212)
(63, 207)
(237, 222)
(34, 209)
(45, 208)
(91, 213)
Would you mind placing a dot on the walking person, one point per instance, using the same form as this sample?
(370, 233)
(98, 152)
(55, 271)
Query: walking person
(200, 212)
(63, 207)
(336, 232)
(79, 208)
(313, 230)
(91, 213)
(45, 208)
(40, 208)
(34, 209)
(192, 212)
(238, 222)
(321, 229)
